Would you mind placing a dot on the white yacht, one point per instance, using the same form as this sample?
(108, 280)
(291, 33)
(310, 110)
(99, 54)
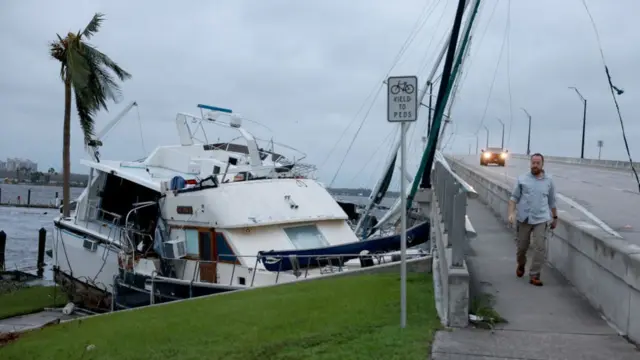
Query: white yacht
(87, 243)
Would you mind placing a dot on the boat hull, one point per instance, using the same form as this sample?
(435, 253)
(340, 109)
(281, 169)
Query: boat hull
(82, 293)
(134, 290)
(96, 268)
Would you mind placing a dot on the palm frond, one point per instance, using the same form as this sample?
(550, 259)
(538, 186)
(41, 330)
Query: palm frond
(78, 69)
(85, 115)
(93, 26)
(103, 59)
(90, 72)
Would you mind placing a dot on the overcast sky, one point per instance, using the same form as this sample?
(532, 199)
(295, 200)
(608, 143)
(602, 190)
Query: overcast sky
(304, 69)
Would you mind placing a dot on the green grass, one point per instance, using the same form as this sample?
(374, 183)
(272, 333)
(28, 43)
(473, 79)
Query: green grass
(26, 300)
(482, 306)
(356, 317)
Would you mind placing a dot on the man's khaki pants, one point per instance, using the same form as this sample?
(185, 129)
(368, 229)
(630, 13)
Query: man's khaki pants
(533, 235)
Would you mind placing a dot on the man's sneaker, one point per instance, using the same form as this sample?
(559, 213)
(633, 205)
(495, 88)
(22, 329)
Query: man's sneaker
(520, 271)
(535, 280)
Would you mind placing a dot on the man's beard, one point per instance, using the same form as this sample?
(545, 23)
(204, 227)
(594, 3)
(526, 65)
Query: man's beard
(536, 171)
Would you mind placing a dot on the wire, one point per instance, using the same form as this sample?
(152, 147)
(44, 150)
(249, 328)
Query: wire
(403, 48)
(355, 136)
(359, 172)
(144, 149)
(509, 70)
(486, 107)
(613, 93)
(479, 46)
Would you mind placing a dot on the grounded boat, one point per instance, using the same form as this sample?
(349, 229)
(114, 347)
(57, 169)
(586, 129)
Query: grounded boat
(87, 243)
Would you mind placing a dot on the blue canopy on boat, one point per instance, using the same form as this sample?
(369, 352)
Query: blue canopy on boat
(280, 261)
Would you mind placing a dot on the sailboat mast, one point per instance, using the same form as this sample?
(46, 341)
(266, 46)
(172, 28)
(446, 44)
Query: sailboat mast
(380, 189)
(450, 72)
(453, 93)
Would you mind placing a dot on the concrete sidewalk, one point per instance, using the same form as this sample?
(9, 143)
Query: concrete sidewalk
(548, 322)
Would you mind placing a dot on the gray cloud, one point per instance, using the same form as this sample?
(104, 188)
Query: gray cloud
(304, 69)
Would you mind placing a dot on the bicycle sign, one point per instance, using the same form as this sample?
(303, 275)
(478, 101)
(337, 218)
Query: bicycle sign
(402, 86)
(402, 102)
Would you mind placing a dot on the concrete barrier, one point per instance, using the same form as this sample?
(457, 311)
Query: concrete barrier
(609, 164)
(450, 231)
(605, 269)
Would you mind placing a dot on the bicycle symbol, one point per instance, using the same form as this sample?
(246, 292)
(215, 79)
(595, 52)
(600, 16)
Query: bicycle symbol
(404, 86)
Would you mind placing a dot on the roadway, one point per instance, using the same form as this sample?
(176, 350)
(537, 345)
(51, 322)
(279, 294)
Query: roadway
(610, 195)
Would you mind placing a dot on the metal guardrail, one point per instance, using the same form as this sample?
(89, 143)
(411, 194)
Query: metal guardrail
(450, 198)
(471, 192)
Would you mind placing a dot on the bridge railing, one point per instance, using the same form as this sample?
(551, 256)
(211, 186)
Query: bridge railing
(450, 232)
(609, 164)
(450, 206)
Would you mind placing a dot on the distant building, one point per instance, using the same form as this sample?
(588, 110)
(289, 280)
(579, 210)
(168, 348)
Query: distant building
(14, 164)
(3, 165)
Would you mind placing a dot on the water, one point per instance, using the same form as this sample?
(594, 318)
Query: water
(22, 224)
(40, 194)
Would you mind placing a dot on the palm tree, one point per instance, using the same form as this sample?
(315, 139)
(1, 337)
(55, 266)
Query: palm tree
(87, 72)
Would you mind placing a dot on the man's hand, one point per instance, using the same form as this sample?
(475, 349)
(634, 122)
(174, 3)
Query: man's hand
(512, 218)
(554, 223)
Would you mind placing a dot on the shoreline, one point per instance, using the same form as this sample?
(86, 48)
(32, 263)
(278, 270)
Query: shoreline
(34, 206)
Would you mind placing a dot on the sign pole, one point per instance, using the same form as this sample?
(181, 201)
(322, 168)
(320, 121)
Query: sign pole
(403, 229)
(402, 107)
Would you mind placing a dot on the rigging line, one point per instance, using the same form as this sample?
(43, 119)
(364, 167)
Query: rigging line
(428, 14)
(353, 140)
(359, 172)
(395, 62)
(428, 52)
(613, 93)
(495, 73)
(423, 22)
(144, 149)
(509, 70)
(479, 45)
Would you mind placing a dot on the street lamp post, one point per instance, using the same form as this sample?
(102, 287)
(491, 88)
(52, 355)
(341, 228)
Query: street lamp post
(487, 129)
(502, 143)
(529, 133)
(600, 144)
(584, 119)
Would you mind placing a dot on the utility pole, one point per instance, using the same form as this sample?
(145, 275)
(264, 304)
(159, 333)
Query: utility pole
(487, 129)
(502, 143)
(584, 119)
(529, 133)
(477, 141)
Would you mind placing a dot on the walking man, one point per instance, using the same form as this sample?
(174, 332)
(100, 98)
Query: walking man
(533, 206)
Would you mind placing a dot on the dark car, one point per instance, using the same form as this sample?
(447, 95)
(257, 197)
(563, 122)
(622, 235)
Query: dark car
(493, 156)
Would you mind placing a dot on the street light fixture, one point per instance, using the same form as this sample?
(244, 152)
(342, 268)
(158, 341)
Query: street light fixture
(502, 143)
(584, 119)
(529, 133)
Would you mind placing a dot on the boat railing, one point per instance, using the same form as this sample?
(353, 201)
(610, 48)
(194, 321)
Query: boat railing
(297, 265)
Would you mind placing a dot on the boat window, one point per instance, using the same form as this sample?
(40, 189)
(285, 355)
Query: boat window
(224, 250)
(192, 242)
(306, 237)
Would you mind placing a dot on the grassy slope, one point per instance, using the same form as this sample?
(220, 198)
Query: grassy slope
(341, 318)
(29, 300)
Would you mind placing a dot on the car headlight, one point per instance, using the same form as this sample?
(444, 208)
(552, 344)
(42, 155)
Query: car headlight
(503, 155)
(487, 155)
